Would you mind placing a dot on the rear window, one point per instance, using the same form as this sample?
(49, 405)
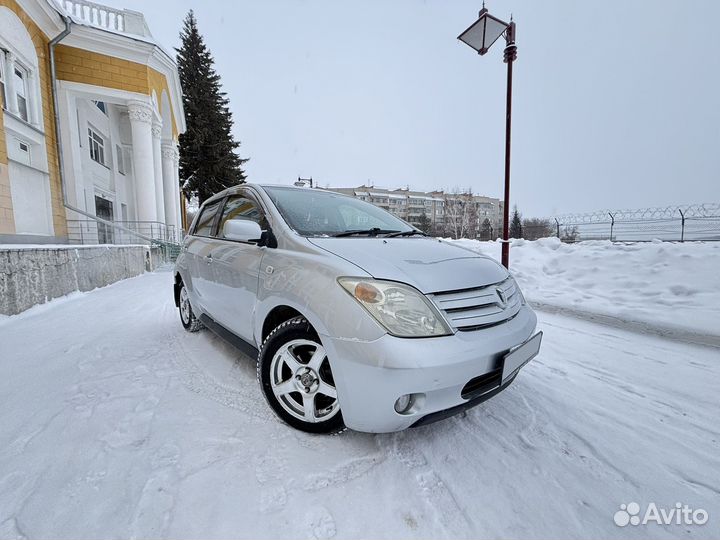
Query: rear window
(207, 218)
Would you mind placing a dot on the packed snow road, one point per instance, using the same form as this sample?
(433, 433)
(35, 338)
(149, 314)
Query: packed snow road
(116, 423)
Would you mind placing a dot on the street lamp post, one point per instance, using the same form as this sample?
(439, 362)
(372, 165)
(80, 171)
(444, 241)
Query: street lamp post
(480, 36)
(302, 182)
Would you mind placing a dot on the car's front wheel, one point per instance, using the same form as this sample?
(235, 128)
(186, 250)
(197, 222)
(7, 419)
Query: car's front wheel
(296, 378)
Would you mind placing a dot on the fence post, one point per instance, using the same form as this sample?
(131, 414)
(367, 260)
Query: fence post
(682, 226)
(557, 224)
(612, 225)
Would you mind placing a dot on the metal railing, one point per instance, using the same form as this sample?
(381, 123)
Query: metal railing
(91, 232)
(88, 231)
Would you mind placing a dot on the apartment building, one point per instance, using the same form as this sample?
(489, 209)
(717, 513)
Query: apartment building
(456, 214)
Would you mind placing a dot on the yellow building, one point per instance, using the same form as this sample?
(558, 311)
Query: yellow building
(119, 113)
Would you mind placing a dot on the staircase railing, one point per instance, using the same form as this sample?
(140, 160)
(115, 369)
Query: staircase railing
(91, 232)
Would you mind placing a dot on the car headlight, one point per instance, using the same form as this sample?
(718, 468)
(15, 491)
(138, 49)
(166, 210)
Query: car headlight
(517, 288)
(401, 309)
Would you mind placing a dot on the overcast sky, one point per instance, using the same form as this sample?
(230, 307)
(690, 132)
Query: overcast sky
(616, 104)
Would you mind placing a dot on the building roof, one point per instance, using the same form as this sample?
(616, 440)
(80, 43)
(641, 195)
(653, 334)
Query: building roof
(121, 33)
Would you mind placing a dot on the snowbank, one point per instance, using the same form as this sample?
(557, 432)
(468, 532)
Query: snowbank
(116, 423)
(661, 284)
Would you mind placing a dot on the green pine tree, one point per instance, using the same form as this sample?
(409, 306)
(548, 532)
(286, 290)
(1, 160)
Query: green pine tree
(424, 223)
(516, 224)
(209, 161)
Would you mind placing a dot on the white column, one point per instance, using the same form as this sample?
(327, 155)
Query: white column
(178, 199)
(142, 155)
(168, 174)
(158, 173)
(11, 95)
(33, 100)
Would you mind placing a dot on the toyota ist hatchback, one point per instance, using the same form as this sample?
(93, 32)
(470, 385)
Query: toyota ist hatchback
(357, 318)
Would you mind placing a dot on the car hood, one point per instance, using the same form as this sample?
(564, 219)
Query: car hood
(428, 264)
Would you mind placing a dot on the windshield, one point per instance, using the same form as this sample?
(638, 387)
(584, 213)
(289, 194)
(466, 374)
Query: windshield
(314, 212)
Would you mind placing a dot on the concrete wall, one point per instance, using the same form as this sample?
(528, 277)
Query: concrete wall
(34, 275)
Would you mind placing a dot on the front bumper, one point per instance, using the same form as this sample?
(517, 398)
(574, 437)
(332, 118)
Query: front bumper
(370, 376)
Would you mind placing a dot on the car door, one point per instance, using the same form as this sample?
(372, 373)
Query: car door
(237, 267)
(199, 248)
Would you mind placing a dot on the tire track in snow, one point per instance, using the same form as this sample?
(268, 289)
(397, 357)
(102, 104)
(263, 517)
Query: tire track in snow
(640, 327)
(694, 484)
(440, 501)
(197, 380)
(154, 510)
(343, 473)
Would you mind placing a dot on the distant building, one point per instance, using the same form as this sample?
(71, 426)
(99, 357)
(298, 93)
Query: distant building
(120, 113)
(448, 214)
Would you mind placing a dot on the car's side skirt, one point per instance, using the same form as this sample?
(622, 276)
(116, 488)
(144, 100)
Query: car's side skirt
(232, 338)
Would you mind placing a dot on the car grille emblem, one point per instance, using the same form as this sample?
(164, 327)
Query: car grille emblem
(502, 300)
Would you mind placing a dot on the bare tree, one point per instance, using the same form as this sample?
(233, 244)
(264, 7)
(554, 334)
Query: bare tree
(461, 214)
(570, 234)
(534, 228)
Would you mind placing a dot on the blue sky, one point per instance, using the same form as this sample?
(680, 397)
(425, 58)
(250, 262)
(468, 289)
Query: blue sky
(616, 104)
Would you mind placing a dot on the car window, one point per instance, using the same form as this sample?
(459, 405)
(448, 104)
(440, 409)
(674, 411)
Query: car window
(241, 207)
(207, 218)
(315, 212)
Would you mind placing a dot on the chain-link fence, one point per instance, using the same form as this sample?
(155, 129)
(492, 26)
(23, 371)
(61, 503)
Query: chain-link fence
(699, 222)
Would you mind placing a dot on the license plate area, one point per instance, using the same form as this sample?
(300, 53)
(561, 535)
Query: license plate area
(521, 355)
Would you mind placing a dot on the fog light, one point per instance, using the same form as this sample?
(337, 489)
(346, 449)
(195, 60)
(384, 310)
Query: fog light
(403, 403)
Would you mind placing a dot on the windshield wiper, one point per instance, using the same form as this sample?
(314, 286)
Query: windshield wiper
(407, 233)
(370, 232)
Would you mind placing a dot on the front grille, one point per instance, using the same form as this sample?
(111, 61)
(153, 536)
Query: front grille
(472, 309)
(482, 384)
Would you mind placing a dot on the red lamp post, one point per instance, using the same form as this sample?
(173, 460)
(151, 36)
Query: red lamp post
(480, 36)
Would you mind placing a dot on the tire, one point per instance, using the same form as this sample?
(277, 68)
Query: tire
(187, 316)
(296, 379)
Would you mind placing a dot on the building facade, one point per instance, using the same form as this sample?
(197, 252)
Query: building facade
(457, 214)
(119, 111)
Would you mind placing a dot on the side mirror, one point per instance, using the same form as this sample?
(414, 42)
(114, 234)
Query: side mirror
(242, 230)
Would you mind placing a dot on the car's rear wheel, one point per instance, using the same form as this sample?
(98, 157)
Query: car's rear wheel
(296, 378)
(187, 317)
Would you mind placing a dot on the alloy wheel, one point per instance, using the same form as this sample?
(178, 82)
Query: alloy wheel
(302, 381)
(184, 306)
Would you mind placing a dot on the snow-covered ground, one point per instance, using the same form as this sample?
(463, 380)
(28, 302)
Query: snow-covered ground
(116, 423)
(669, 288)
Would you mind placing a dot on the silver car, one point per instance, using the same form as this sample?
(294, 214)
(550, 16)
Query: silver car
(356, 318)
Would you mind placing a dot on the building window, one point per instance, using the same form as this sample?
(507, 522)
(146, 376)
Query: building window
(21, 91)
(120, 159)
(101, 105)
(24, 151)
(97, 146)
